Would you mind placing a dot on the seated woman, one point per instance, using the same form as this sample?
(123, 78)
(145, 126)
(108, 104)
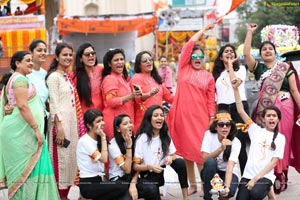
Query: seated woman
(267, 147)
(220, 151)
(154, 150)
(91, 156)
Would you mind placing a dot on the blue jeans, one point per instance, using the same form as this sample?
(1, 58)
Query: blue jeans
(210, 168)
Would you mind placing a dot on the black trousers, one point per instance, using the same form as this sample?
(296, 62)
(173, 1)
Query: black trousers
(148, 185)
(243, 137)
(94, 188)
(258, 192)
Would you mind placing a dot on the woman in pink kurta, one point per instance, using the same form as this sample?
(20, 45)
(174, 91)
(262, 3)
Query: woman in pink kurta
(116, 92)
(165, 73)
(87, 77)
(194, 106)
(147, 79)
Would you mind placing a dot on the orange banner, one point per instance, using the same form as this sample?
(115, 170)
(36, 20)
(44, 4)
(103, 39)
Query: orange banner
(142, 25)
(18, 40)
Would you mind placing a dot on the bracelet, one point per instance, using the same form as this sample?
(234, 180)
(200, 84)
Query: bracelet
(35, 126)
(128, 147)
(102, 140)
(128, 156)
(104, 150)
(238, 102)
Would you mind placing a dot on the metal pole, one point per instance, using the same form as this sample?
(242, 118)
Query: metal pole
(167, 38)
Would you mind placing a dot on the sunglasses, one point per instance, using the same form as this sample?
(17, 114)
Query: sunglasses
(195, 56)
(146, 60)
(222, 124)
(87, 54)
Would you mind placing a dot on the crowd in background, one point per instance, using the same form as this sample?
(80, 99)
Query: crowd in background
(105, 129)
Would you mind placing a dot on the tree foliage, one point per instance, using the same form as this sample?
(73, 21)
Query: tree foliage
(260, 13)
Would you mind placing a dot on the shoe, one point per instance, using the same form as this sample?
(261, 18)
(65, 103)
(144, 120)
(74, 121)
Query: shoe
(285, 180)
(278, 183)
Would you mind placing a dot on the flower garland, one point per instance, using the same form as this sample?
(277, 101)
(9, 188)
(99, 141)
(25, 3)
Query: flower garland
(281, 35)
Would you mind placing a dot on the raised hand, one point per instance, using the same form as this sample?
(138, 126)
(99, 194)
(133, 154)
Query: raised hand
(252, 27)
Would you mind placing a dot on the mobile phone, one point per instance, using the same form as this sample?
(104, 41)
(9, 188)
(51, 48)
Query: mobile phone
(66, 142)
(136, 87)
(163, 166)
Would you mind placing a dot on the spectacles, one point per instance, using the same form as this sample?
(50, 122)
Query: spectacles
(195, 56)
(147, 59)
(222, 124)
(87, 54)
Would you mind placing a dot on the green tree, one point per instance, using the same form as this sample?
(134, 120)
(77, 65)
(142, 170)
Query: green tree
(257, 12)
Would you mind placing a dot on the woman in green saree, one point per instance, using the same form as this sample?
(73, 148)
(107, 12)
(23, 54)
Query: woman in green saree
(25, 166)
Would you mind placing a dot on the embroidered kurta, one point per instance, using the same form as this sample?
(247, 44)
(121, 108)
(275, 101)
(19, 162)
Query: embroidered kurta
(114, 87)
(193, 104)
(146, 82)
(62, 105)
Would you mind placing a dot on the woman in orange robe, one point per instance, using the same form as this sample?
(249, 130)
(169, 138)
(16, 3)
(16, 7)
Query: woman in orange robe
(194, 106)
(116, 92)
(149, 82)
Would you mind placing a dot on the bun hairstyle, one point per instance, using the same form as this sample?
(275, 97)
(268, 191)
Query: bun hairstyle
(17, 57)
(273, 145)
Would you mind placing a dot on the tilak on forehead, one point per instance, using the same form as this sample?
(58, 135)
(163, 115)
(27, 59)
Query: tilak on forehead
(225, 116)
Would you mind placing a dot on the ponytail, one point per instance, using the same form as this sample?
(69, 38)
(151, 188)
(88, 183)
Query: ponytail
(273, 145)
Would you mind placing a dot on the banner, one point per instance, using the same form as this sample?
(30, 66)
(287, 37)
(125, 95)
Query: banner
(18, 40)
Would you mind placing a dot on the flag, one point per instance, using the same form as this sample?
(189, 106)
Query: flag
(234, 5)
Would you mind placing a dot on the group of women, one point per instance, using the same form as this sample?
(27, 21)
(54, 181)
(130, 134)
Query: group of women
(98, 114)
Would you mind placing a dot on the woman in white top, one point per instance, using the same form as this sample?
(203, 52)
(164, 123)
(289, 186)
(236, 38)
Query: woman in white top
(267, 147)
(91, 156)
(120, 154)
(220, 151)
(154, 150)
(225, 95)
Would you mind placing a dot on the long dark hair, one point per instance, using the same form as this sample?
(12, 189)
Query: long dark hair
(83, 81)
(273, 145)
(137, 66)
(230, 136)
(107, 58)
(88, 118)
(219, 64)
(58, 50)
(118, 136)
(17, 57)
(147, 128)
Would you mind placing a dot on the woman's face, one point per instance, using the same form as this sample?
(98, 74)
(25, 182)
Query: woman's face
(89, 57)
(117, 63)
(223, 127)
(65, 58)
(268, 53)
(98, 124)
(228, 54)
(197, 59)
(146, 63)
(126, 126)
(39, 53)
(271, 119)
(163, 62)
(157, 119)
(25, 65)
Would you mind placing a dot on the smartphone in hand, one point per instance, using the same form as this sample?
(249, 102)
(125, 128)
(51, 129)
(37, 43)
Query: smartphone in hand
(66, 142)
(137, 88)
